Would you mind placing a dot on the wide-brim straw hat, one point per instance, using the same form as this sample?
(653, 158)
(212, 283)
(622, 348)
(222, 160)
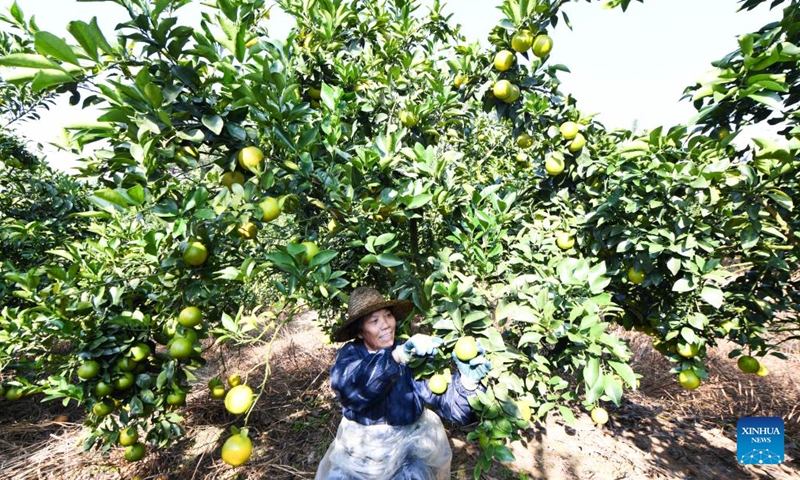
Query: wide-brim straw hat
(363, 301)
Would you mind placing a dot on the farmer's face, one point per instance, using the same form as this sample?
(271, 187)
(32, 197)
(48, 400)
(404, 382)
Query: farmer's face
(377, 330)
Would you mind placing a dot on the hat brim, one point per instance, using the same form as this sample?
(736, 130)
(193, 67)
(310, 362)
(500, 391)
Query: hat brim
(400, 309)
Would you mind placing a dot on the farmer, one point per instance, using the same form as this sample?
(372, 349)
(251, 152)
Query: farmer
(387, 433)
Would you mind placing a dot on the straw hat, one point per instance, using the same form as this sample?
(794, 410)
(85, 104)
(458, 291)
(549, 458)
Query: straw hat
(363, 301)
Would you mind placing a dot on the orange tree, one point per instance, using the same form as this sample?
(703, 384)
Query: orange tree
(398, 154)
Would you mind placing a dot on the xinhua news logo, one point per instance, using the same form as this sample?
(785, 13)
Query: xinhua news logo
(759, 440)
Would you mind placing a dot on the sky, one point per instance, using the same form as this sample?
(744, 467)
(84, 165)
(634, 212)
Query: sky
(628, 67)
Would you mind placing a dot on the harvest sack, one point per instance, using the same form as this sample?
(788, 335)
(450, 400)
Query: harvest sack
(419, 451)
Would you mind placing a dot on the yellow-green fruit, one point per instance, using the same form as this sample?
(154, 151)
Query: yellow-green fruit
(88, 370)
(176, 398)
(513, 95)
(688, 379)
(236, 450)
(123, 381)
(270, 209)
(135, 452)
(502, 89)
(101, 409)
(599, 415)
(524, 140)
(250, 157)
(102, 389)
(688, 350)
(564, 240)
(14, 394)
(577, 143)
(217, 391)
(195, 254)
(635, 276)
(569, 130)
(247, 230)
(438, 383)
(503, 60)
(314, 93)
(554, 166)
(180, 348)
(542, 45)
(762, 371)
(234, 380)
(408, 118)
(460, 80)
(140, 351)
(522, 41)
(466, 348)
(748, 364)
(239, 399)
(190, 317)
(229, 178)
(128, 436)
(311, 251)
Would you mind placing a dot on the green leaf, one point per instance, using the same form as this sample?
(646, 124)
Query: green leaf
(567, 414)
(688, 334)
(625, 372)
(389, 260)
(591, 371)
(712, 295)
(213, 123)
(323, 257)
(49, 78)
(48, 44)
(503, 454)
(770, 99)
(674, 265)
(419, 201)
(82, 32)
(684, 285)
(613, 389)
(28, 60)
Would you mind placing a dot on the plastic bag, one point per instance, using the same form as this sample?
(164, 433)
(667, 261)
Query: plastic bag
(419, 451)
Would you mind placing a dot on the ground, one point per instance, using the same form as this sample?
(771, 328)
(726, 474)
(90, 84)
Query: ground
(659, 432)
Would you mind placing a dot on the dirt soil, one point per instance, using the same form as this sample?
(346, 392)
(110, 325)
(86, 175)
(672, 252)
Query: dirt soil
(660, 431)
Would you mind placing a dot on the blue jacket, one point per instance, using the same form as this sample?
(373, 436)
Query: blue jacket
(374, 389)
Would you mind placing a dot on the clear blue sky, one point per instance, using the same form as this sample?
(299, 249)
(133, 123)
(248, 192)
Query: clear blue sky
(628, 67)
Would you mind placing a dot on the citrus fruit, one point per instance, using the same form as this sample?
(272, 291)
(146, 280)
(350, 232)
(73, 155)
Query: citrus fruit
(502, 89)
(236, 450)
(247, 230)
(126, 364)
(438, 383)
(748, 364)
(522, 41)
(270, 210)
(408, 118)
(688, 379)
(250, 157)
(229, 178)
(180, 348)
(135, 452)
(599, 415)
(762, 371)
(102, 389)
(635, 276)
(577, 143)
(311, 251)
(687, 350)
(239, 399)
(128, 436)
(123, 381)
(234, 380)
(460, 80)
(195, 254)
(466, 348)
(13, 394)
(554, 166)
(568, 130)
(315, 93)
(564, 240)
(524, 141)
(217, 391)
(542, 45)
(103, 408)
(140, 351)
(176, 398)
(503, 60)
(88, 370)
(190, 316)
(513, 95)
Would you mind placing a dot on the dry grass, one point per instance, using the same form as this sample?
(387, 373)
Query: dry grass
(660, 431)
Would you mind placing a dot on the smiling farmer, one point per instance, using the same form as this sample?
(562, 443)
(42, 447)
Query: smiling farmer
(387, 433)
